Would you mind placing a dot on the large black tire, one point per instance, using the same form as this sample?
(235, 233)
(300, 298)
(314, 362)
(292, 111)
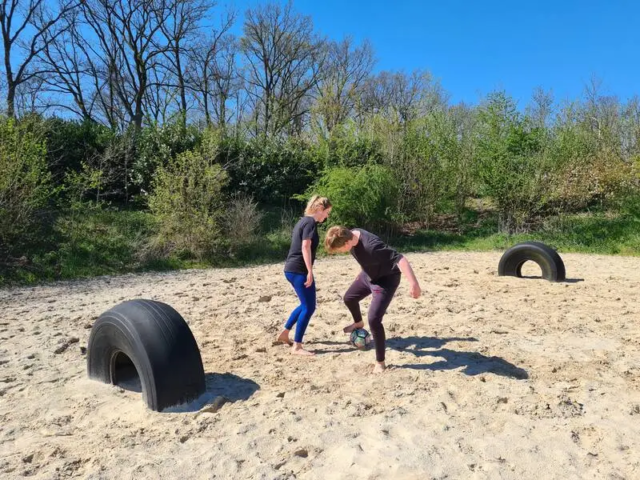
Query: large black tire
(546, 257)
(158, 342)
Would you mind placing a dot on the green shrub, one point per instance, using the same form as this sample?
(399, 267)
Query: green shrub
(511, 163)
(187, 200)
(24, 182)
(361, 196)
(270, 171)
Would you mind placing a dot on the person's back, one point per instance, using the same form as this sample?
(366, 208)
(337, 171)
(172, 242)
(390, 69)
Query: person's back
(375, 257)
(382, 269)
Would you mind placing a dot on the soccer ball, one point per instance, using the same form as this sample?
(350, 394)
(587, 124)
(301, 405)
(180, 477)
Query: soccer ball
(360, 338)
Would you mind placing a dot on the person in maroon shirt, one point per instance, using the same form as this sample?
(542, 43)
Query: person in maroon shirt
(382, 268)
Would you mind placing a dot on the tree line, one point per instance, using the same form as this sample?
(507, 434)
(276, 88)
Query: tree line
(156, 105)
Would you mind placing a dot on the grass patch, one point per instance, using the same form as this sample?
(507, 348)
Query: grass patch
(107, 242)
(599, 233)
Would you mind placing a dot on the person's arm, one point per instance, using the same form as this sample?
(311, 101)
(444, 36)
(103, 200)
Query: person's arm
(407, 271)
(306, 254)
(308, 233)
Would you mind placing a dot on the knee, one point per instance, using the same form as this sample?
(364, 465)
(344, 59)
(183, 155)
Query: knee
(375, 321)
(311, 308)
(308, 309)
(349, 300)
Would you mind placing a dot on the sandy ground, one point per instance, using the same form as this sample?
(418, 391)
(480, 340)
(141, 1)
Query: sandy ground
(491, 377)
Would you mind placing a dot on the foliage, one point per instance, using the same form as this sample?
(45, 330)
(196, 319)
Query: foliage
(187, 200)
(25, 184)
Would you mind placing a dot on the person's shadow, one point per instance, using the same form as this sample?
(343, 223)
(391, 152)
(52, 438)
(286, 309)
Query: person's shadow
(474, 363)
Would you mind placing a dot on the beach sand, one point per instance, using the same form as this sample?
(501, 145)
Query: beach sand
(490, 377)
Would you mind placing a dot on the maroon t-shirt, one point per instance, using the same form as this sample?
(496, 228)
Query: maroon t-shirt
(375, 257)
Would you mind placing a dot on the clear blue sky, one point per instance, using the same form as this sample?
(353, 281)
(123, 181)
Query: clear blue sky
(476, 46)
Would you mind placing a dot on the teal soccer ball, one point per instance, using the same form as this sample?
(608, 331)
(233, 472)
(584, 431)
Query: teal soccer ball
(360, 338)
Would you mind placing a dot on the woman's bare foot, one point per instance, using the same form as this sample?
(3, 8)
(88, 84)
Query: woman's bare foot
(352, 327)
(379, 367)
(284, 338)
(298, 350)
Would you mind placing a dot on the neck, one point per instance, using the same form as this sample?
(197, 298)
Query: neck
(356, 237)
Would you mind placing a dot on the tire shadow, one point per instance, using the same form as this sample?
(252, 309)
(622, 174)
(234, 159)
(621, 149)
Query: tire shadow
(538, 277)
(220, 388)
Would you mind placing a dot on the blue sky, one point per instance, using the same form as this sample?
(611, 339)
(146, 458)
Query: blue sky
(474, 47)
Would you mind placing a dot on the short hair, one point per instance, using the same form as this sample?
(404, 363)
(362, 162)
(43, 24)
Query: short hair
(336, 238)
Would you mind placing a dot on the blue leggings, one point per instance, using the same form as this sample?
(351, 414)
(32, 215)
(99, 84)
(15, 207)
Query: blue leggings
(302, 314)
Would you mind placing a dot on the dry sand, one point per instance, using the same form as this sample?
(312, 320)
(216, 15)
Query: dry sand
(491, 377)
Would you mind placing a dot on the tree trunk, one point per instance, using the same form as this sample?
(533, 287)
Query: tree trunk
(11, 100)
(181, 87)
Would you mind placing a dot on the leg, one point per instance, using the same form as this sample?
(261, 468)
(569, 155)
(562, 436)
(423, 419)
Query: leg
(383, 292)
(295, 279)
(307, 308)
(359, 290)
(302, 314)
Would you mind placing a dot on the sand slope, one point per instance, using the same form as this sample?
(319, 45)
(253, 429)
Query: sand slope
(491, 377)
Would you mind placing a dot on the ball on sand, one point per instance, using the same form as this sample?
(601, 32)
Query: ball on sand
(360, 338)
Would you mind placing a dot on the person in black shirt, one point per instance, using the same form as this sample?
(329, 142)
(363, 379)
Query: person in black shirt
(382, 267)
(298, 269)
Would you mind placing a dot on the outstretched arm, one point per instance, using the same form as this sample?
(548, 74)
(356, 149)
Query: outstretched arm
(407, 271)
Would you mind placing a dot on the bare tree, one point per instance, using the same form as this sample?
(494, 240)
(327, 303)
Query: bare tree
(179, 29)
(631, 130)
(602, 115)
(213, 76)
(346, 69)
(29, 97)
(161, 96)
(283, 63)
(400, 96)
(130, 46)
(67, 68)
(541, 108)
(26, 31)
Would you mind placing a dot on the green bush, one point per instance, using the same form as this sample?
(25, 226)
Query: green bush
(512, 166)
(72, 144)
(24, 182)
(361, 196)
(270, 171)
(347, 146)
(157, 145)
(187, 200)
(422, 171)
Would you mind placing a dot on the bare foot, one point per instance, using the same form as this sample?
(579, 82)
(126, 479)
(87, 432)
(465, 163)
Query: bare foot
(379, 367)
(352, 327)
(298, 350)
(284, 338)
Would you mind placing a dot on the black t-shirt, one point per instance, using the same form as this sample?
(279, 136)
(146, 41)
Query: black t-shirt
(375, 257)
(305, 229)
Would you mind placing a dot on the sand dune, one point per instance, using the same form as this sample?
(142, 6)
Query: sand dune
(490, 377)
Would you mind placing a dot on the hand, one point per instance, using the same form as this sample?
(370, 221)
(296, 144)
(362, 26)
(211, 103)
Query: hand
(415, 290)
(309, 281)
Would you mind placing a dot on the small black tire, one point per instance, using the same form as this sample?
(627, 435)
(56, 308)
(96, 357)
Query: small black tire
(546, 257)
(158, 342)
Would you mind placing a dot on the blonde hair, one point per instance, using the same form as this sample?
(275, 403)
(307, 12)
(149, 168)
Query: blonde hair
(336, 238)
(316, 203)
